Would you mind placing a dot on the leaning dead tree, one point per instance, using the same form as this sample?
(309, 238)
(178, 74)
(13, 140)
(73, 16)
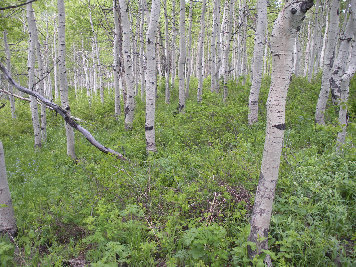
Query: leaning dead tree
(7, 218)
(66, 116)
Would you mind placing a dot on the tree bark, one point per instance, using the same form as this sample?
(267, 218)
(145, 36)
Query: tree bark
(328, 61)
(117, 59)
(130, 84)
(189, 52)
(167, 66)
(8, 62)
(31, 76)
(214, 36)
(7, 217)
(182, 56)
(63, 82)
(282, 42)
(226, 38)
(151, 77)
(257, 68)
(200, 52)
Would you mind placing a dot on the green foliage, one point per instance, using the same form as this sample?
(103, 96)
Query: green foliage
(189, 203)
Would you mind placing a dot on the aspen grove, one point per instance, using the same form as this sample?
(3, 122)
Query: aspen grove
(177, 132)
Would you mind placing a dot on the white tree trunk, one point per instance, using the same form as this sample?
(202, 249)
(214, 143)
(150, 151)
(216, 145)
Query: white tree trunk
(214, 36)
(98, 69)
(257, 68)
(167, 66)
(282, 42)
(116, 59)
(328, 61)
(151, 77)
(226, 38)
(344, 81)
(55, 62)
(342, 57)
(34, 35)
(31, 75)
(182, 57)
(7, 218)
(8, 62)
(189, 49)
(63, 82)
(129, 78)
(200, 52)
(174, 52)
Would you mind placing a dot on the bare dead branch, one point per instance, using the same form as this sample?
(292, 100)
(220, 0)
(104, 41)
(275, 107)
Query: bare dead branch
(69, 120)
(19, 5)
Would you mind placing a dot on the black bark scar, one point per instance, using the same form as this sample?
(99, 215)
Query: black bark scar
(280, 126)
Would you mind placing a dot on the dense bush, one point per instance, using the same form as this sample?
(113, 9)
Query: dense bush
(188, 204)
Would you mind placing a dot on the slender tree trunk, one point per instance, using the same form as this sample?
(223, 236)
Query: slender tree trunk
(214, 36)
(343, 83)
(7, 217)
(116, 59)
(151, 77)
(63, 82)
(339, 66)
(257, 69)
(226, 38)
(129, 78)
(174, 52)
(322, 53)
(167, 66)
(31, 75)
(200, 52)
(8, 62)
(55, 62)
(97, 62)
(282, 42)
(328, 61)
(182, 54)
(142, 50)
(189, 52)
(34, 35)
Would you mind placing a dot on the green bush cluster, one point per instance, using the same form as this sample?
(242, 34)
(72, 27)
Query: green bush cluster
(189, 203)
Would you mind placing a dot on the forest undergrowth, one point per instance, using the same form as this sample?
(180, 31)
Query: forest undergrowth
(189, 203)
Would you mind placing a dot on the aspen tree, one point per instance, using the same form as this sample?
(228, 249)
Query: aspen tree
(116, 59)
(200, 52)
(189, 52)
(216, 23)
(63, 82)
(182, 56)
(342, 84)
(151, 77)
(31, 76)
(142, 50)
(55, 61)
(97, 64)
(257, 68)
(339, 66)
(226, 38)
(282, 42)
(329, 59)
(129, 78)
(7, 217)
(34, 35)
(174, 52)
(8, 63)
(167, 66)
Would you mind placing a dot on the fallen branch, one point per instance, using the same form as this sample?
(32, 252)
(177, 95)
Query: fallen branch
(64, 114)
(17, 96)
(16, 6)
(2, 105)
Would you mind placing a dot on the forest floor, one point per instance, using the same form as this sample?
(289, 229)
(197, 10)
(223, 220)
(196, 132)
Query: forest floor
(189, 203)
